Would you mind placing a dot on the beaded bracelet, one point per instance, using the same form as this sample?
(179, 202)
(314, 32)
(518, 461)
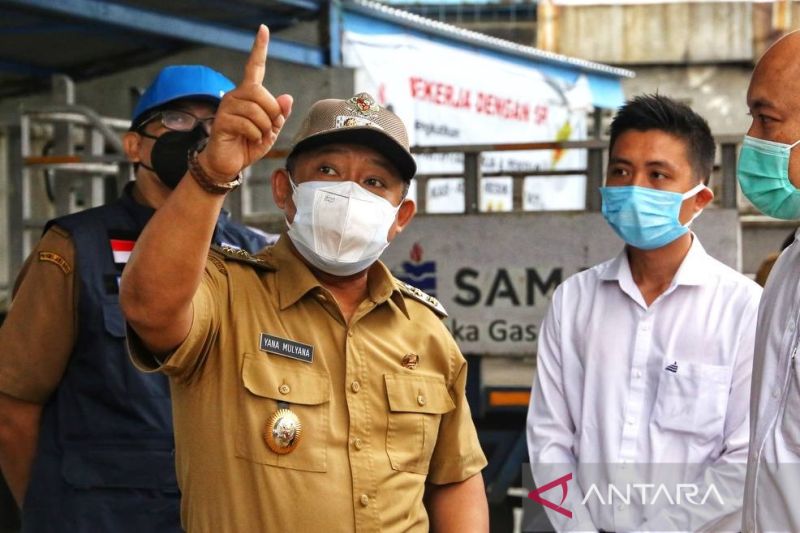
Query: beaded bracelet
(200, 176)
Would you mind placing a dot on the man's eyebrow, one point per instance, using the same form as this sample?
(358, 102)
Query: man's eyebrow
(383, 163)
(659, 163)
(760, 103)
(649, 163)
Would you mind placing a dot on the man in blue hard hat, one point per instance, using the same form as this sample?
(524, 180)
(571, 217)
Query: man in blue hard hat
(85, 439)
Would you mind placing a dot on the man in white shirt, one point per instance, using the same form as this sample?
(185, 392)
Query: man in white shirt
(645, 359)
(769, 174)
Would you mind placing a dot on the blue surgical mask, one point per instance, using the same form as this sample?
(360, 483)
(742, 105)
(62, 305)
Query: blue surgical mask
(646, 218)
(763, 173)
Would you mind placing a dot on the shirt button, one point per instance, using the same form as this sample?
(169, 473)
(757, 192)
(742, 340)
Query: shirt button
(284, 389)
(421, 399)
(776, 392)
(629, 421)
(364, 500)
(358, 443)
(355, 386)
(350, 333)
(637, 373)
(645, 327)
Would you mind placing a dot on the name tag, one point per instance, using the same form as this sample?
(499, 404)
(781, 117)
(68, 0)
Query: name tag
(287, 348)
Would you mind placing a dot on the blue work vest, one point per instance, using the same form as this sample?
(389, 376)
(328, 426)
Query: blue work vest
(105, 457)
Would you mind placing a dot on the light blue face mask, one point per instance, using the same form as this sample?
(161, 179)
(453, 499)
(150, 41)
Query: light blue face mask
(646, 218)
(763, 173)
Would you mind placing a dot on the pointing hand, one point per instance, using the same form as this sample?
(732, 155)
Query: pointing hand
(248, 120)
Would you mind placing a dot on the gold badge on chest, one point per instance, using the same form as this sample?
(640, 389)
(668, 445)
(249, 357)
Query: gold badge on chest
(283, 431)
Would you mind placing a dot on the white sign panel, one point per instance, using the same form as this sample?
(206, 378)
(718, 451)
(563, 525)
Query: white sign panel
(560, 193)
(495, 274)
(446, 195)
(497, 194)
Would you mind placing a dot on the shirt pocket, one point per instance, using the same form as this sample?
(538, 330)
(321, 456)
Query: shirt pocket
(693, 399)
(307, 393)
(416, 406)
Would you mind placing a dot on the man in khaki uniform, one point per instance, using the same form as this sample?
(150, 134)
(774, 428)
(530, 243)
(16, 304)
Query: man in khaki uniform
(311, 390)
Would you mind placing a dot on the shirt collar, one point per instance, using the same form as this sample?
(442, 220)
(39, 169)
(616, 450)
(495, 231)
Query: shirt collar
(691, 272)
(383, 286)
(295, 279)
(619, 270)
(693, 269)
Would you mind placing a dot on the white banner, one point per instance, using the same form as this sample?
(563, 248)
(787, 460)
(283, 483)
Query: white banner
(448, 95)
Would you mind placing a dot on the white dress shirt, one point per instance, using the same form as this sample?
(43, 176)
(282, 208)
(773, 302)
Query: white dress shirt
(620, 382)
(772, 493)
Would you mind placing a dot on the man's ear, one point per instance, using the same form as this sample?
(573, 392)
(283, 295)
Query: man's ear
(132, 144)
(703, 198)
(281, 188)
(405, 213)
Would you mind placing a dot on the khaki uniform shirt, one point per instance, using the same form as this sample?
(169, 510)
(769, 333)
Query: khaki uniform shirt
(38, 334)
(373, 430)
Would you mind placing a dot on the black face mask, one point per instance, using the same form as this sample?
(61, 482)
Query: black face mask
(169, 154)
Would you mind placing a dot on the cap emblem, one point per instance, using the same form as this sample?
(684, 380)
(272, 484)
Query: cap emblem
(343, 121)
(364, 104)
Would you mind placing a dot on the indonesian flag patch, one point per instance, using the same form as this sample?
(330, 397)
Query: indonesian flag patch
(121, 248)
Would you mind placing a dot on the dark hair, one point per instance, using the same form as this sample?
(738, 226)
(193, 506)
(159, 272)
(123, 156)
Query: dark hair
(657, 112)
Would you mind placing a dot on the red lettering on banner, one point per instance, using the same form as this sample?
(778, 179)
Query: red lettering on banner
(445, 94)
(440, 93)
(540, 114)
(493, 105)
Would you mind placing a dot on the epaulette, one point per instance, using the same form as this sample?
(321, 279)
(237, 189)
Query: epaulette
(59, 231)
(423, 297)
(242, 256)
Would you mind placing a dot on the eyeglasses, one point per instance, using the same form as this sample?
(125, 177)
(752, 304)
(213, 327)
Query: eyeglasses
(180, 121)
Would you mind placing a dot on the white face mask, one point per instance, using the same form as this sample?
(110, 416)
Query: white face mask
(339, 227)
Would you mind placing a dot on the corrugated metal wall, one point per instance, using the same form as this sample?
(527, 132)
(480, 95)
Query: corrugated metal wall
(642, 34)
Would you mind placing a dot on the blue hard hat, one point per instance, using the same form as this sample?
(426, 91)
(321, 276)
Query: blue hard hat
(181, 81)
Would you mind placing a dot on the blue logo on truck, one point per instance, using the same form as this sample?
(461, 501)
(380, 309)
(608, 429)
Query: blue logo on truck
(421, 274)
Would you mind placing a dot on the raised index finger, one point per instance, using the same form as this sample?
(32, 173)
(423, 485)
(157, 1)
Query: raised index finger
(256, 65)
